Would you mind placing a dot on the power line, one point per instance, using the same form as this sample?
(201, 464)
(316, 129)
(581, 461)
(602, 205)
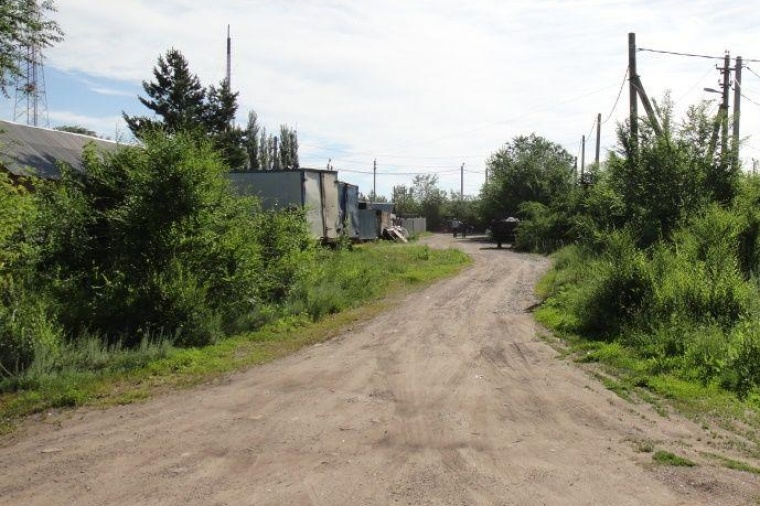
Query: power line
(617, 100)
(748, 68)
(674, 53)
(397, 165)
(691, 55)
(749, 99)
(709, 71)
(396, 173)
(591, 130)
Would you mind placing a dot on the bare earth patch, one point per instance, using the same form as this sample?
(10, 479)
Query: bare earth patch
(452, 398)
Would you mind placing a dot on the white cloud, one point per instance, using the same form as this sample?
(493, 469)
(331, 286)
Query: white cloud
(112, 127)
(417, 80)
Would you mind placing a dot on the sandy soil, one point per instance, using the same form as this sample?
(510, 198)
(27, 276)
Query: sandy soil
(453, 398)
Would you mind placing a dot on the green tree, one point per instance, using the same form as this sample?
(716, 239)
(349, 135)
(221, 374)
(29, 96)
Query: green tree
(149, 240)
(431, 199)
(219, 124)
(465, 209)
(76, 129)
(181, 104)
(266, 146)
(27, 324)
(23, 25)
(668, 177)
(175, 95)
(404, 201)
(288, 148)
(528, 169)
(251, 141)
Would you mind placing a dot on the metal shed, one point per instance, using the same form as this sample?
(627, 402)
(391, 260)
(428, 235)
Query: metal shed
(349, 209)
(315, 190)
(373, 218)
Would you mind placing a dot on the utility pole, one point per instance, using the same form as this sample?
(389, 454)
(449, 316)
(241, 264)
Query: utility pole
(634, 106)
(461, 183)
(637, 90)
(229, 58)
(598, 137)
(374, 180)
(724, 106)
(583, 159)
(575, 170)
(737, 107)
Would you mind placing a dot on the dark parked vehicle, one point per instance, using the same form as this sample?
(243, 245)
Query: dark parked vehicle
(503, 231)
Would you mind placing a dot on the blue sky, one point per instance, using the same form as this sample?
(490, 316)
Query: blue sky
(420, 85)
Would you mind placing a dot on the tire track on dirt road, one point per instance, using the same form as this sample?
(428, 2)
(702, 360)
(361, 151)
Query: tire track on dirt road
(449, 399)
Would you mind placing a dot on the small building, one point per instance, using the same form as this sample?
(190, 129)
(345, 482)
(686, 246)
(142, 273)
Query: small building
(318, 191)
(374, 217)
(349, 209)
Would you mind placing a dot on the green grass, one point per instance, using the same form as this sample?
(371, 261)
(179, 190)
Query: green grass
(643, 367)
(356, 285)
(671, 459)
(734, 464)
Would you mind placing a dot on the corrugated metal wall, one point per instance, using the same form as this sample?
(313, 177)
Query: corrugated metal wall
(316, 190)
(349, 208)
(414, 225)
(369, 224)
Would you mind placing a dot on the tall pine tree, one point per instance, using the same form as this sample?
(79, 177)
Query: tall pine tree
(175, 95)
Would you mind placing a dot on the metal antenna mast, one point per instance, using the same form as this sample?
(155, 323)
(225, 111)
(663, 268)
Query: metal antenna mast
(31, 100)
(229, 58)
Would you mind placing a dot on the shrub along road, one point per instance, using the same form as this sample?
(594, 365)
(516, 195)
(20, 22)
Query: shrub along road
(451, 398)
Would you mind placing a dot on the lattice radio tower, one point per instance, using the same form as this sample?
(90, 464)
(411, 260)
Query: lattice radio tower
(31, 99)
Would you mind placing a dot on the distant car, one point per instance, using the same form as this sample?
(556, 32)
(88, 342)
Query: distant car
(503, 231)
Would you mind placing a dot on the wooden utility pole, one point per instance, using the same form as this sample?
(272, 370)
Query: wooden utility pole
(374, 180)
(634, 104)
(583, 159)
(461, 183)
(575, 170)
(724, 106)
(737, 107)
(598, 137)
(637, 91)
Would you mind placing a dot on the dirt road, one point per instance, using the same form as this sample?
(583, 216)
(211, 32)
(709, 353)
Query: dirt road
(451, 399)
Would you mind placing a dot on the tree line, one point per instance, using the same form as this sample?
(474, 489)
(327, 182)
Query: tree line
(180, 103)
(657, 253)
(148, 243)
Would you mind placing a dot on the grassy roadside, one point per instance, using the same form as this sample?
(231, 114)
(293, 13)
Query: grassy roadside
(367, 280)
(731, 423)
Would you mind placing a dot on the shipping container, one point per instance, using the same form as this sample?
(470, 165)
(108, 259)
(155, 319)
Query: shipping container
(317, 191)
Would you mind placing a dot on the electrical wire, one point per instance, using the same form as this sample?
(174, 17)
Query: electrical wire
(397, 173)
(692, 55)
(674, 53)
(709, 71)
(750, 69)
(620, 93)
(749, 99)
(591, 130)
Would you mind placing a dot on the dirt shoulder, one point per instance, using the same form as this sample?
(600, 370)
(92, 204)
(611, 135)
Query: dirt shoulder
(452, 398)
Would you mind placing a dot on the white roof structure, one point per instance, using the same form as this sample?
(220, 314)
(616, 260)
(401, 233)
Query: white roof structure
(33, 151)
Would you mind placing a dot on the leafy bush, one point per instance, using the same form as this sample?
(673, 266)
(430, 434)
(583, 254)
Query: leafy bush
(147, 241)
(543, 229)
(618, 290)
(699, 275)
(26, 326)
(742, 371)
